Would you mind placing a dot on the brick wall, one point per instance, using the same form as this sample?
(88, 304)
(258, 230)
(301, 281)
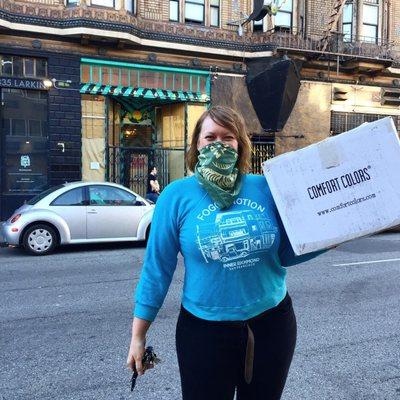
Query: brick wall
(157, 10)
(394, 23)
(318, 14)
(64, 121)
(231, 13)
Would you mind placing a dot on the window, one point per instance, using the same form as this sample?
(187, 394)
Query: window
(348, 22)
(18, 66)
(25, 142)
(7, 126)
(42, 195)
(6, 65)
(130, 6)
(73, 197)
(41, 68)
(104, 3)
(258, 26)
(29, 67)
(102, 195)
(18, 127)
(283, 19)
(370, 21)
(214, 13)
(174, 10)
(93, 116)
(23, 66)
(194, 11)
(72, 2)
(35, 128)
(343, 121)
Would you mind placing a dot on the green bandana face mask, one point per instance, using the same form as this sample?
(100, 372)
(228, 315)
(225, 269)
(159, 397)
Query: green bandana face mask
(216, 171)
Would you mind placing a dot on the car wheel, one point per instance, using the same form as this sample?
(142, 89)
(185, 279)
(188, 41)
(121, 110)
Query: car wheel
(40, 240)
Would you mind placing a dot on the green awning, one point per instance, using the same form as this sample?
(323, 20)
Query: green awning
(150, 82)
(149, 94)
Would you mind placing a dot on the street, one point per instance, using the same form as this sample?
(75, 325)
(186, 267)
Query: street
(65, 324)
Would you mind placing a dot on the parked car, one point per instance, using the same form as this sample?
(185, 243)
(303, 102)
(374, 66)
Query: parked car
(78, 212)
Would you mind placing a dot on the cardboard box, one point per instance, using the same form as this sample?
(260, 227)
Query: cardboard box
(339, 189)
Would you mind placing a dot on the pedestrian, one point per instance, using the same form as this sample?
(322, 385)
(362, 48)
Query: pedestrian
(153, 187)
(236, 330)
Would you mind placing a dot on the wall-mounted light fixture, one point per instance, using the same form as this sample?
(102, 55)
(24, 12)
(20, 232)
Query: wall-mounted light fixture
(57, 84)
(48, 83)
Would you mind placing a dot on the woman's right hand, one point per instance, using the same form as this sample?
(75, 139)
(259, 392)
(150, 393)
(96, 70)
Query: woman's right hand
(137, 346)
(135, 354)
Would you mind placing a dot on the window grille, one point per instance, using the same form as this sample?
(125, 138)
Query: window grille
(342, 121)
(262, 149)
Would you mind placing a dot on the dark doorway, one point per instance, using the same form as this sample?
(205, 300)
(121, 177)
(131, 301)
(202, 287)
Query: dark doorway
(23, 147)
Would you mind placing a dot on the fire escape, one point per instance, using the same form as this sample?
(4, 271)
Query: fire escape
(332, 24)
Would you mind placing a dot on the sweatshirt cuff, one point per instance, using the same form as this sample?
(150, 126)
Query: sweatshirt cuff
(145, 312)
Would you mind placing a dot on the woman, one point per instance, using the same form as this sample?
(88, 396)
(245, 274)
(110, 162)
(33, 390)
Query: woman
(153, 187)
(236, 329)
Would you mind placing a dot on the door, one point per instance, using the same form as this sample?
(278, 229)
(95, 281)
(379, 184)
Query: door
(71, 206)
(23, 146)
(138, 164)
(113, 213)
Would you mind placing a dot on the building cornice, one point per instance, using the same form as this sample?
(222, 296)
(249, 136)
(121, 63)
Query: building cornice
(114, 25)
(94, 23)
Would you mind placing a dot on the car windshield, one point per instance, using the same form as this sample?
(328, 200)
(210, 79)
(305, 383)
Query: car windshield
(42, 195)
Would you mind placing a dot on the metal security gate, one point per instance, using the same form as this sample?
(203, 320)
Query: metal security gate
(262, 150)
(130, 166)
(136, 170)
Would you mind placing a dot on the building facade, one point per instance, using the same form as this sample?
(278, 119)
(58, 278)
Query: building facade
(104, 89)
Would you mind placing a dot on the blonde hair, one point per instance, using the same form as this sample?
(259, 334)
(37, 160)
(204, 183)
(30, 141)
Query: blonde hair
(234, 122)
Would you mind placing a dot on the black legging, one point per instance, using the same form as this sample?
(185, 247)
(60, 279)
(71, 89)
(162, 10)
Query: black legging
(211, 355)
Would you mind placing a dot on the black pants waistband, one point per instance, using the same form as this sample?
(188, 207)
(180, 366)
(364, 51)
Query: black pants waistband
(286, 302)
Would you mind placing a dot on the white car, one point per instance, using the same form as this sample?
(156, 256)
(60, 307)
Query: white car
(78, 212)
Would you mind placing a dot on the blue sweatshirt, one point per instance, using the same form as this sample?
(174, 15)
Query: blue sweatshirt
(234, 258)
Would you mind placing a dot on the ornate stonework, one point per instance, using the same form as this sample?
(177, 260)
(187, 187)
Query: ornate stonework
(53, 13)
